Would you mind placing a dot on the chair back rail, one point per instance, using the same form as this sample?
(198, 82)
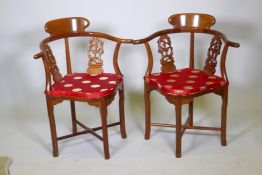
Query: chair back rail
(217, 37)
(49, 61)
(66, 28)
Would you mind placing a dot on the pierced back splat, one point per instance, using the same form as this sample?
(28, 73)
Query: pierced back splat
(52, 64)
(213, 52)
(95, 63)
(166, 50)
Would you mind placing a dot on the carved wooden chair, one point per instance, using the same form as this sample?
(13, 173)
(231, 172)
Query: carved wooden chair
(93, 86)
(181, 86)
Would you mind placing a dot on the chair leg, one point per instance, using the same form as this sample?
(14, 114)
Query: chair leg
(50, 109)
(190, 112)
(224, 117)
(103, 112)
(178, 130)
(147, 111)
(122, 112)
(73, 114)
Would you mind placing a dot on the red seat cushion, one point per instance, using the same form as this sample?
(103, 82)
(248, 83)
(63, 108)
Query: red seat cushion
(184, 81)
(86, 85)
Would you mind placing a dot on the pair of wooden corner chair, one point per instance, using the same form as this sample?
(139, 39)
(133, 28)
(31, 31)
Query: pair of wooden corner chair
(178, 86)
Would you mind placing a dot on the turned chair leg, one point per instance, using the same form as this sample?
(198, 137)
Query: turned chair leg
(103, 112)
(73, 114)
(147, 112)
(50, 109)
(178, 130)
(190, 112)
(122, 112)
(224, 117)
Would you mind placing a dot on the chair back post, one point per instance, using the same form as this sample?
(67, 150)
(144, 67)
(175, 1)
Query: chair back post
(223, 62)
(150, 59)
(115, 59)
(68, 59)
(192, 50)
(47, 75)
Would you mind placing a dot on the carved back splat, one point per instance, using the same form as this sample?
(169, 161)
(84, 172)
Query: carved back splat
(95, 63)
(166, 50)
(213, 52)
(52, 64)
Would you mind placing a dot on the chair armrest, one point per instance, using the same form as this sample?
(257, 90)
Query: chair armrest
(227, 42)
(127, 41)
(138, 41)
(232, 44)
(38, 55)
(154, 35)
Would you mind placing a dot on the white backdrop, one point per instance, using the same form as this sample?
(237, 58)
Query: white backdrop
(22, 24)
(22, 103)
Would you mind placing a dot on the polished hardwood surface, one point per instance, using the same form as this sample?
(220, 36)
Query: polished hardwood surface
(190, 20)
(64, 29)
(66, 25)
(191, 23)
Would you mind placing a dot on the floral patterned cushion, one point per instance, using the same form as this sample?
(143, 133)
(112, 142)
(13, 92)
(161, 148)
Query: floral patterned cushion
(86, 85)
(184, 81)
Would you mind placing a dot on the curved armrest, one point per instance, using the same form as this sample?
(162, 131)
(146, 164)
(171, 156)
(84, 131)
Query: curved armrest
(126, 41)
(226, 41)
(38, 55)
(232, 44)
(154, 35)
(91, 34)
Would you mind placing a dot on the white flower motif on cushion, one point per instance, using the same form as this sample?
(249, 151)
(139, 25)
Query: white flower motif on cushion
(77, 90)
(68, 85)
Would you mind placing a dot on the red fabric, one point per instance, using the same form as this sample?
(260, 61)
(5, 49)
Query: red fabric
(86, 85)
(184, 82)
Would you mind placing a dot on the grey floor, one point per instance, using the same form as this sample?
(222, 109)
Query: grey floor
(25, 137)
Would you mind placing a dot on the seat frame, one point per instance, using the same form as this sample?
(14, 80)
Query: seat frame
(64, 29)
(179, 100)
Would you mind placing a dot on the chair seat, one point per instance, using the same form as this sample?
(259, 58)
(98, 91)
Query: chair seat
(184, 82)
(86, 85)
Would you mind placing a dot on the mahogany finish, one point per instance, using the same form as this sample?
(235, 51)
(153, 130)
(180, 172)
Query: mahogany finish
(191, 20)
(166, 50)
(188, 23)
(64, 29)
(66, 25)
